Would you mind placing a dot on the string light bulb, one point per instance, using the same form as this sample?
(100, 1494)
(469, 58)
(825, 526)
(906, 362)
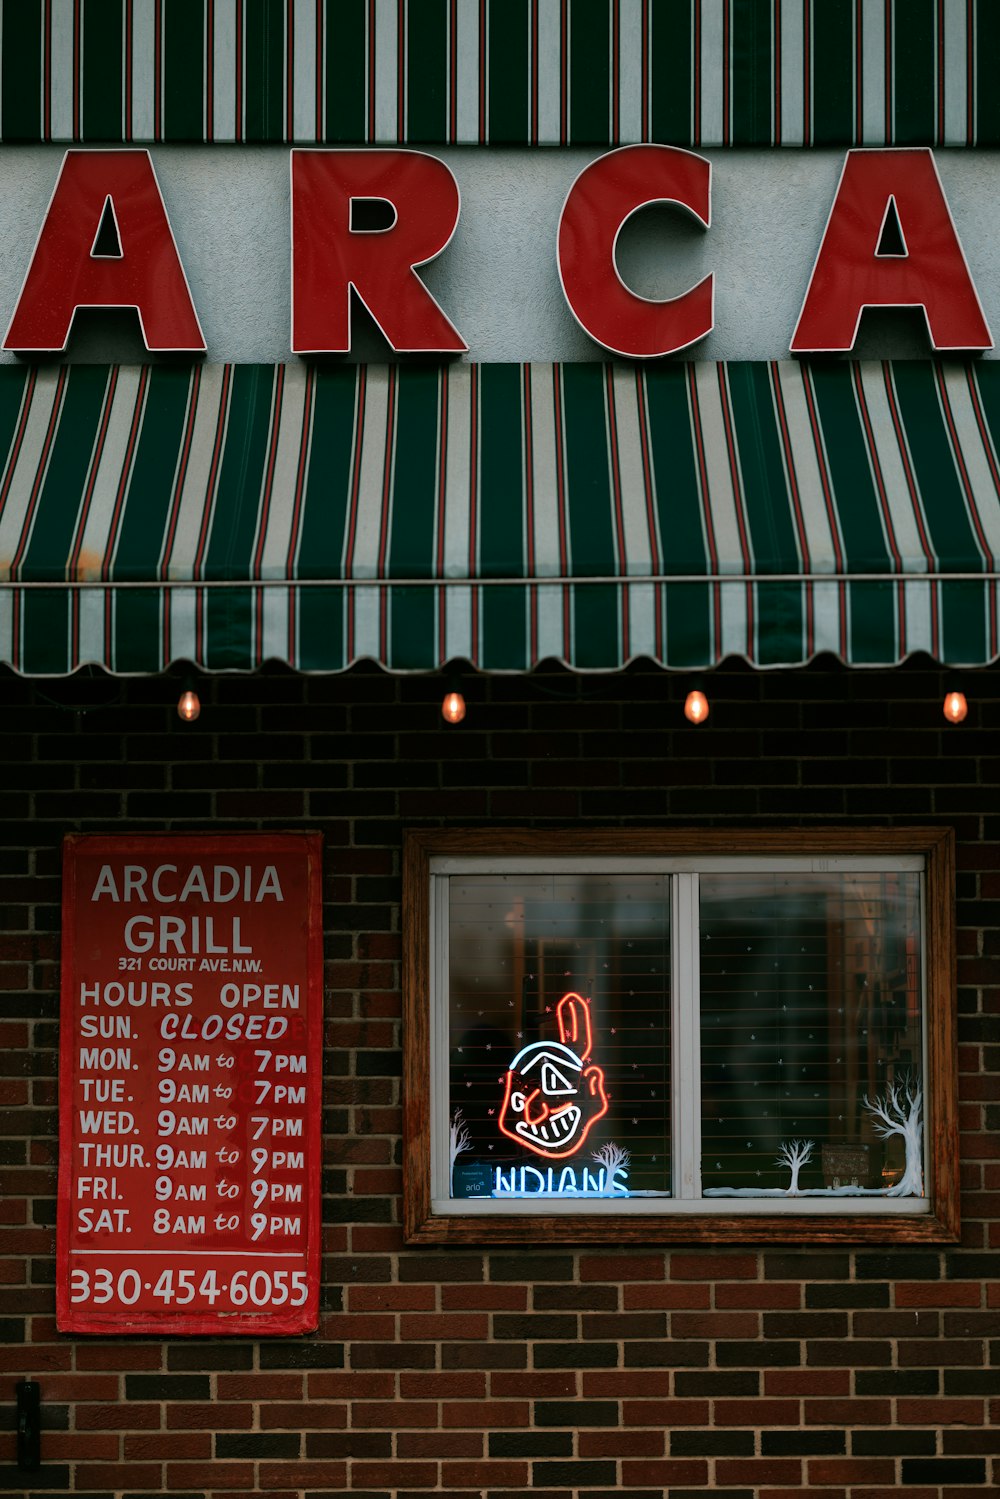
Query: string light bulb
(696, 706)
(453, 706)
(955, 706)
(188, 705)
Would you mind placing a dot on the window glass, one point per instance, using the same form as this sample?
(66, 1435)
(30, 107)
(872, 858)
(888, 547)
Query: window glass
(811, 1062)
(652, 1036)
(558, 1041)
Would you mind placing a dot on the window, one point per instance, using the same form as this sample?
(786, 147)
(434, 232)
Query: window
(646, 1036)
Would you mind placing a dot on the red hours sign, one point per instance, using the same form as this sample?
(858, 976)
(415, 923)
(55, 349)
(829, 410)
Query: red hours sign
(190, 1080)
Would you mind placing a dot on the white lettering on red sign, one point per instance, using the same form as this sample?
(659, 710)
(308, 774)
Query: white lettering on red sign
(190, 1077)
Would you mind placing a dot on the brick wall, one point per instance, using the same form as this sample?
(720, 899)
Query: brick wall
(753, 1375)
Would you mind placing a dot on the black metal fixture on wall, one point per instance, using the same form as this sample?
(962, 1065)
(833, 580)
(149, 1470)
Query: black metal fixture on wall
(29, 1425)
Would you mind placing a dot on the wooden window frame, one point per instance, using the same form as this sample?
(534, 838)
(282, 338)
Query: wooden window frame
(941, 1224)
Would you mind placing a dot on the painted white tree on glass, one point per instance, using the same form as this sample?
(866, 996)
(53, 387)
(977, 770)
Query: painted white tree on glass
(459, 1139)
(794, 1154)
(899, 1111)
(615, 1160)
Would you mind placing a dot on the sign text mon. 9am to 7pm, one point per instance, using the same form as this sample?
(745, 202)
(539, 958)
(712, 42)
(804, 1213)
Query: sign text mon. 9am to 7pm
(190, 1079)
(106, 241)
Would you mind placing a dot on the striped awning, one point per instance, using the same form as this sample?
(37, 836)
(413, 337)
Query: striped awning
(513, 72)
(501, 514)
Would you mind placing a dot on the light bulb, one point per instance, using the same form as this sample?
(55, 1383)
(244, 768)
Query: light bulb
(955, 706)
(696, 706)
(188, 705)
(453, 707)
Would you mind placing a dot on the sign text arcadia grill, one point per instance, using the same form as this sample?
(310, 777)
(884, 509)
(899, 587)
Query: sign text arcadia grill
(190, 1067)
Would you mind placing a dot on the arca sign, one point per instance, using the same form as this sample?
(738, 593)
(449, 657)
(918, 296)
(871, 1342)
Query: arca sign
(106, 241)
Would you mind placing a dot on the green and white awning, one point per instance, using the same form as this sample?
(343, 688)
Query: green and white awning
(503, 72)
(500, 514)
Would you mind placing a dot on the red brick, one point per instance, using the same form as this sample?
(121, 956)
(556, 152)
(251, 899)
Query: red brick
(391, 1298)
(758, 1470)
(118, 1417)
(238, 1493)
(377, 1238)
(766, 1296)
(651, 1297)
(484, 1475)
(848, 1413)
(622, 1443)
(486, 1414)
(123, 1476)
(388, 1475)
(81, 1387)
(529, 1386)
(610, 1384)
(663, 1472)
(304, 1415)
(340, 1384)
(756, 1413)
(955, 1412)
(207, 1417)
(302, 1475)
(615, 1268)
(489, 1297)
(280, 1386)
(851, 1470)
(445, 1326)
(807, 1382)
(390, 1415)
(665, 1413)
(81, 1447)
(126, 1357)
(375, 1181)
(796, 1493)
(224, 1475)
(740, 1325)
(343, 1327)
(55, 1356)
(938, 1293)
(713, 1267)
(458, 1384)
(895, 1492)
(469, 1444)
(161, 1446)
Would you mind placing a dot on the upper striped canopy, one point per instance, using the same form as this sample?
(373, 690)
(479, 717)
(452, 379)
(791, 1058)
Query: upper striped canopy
(502, 514)
(548, 72)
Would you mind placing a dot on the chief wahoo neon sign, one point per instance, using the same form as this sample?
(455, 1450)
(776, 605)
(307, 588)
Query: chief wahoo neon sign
(552, 1099)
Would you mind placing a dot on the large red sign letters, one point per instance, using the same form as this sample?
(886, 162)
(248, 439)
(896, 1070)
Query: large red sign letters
(928, 270)
(330, 254)
(70, 269)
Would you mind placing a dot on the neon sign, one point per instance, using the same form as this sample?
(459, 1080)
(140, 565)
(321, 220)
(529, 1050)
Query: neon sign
(552, 1099)
(529, 1181)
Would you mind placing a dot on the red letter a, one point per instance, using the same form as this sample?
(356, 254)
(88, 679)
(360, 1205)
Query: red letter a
(851, 273)
(68, 270)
